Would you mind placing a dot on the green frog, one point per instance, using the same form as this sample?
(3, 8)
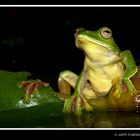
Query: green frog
(105, 66)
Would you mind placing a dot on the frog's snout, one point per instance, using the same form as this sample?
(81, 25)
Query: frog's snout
(78, 31)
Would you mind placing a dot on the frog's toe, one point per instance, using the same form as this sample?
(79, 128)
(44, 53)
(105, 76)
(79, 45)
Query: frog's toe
(117, 94)
(73, 104)
(76, 104)
(133, 91)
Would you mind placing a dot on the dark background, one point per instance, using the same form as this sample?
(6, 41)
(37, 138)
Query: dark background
(41, 40)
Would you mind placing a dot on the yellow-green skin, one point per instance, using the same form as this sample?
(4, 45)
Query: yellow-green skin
(126, 101)
(105, 68)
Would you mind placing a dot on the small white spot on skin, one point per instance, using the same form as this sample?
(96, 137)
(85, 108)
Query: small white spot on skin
(137, 99)
(109, 54)
(21, 104)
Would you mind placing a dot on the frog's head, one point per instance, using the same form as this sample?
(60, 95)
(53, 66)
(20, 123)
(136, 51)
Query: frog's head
(100, 41)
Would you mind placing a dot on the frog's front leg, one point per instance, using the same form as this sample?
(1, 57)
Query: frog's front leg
(76, 102)
(130, 70)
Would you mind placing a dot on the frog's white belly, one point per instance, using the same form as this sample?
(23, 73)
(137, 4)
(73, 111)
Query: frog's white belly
(103, 78)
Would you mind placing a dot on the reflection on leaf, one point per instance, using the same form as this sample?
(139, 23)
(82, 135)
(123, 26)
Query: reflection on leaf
(103, 120)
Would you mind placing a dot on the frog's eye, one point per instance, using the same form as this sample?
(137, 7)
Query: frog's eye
(106, 33)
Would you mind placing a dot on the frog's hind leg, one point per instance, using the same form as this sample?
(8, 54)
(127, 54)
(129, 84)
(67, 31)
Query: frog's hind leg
(77, 102)
(66, 80)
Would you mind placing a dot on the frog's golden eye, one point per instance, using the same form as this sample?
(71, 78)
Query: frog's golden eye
(106, 33)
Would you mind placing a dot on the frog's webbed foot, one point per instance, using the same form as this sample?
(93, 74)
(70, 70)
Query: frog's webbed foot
(75, 104)
(117, 94)
(30, 87)
(131, 89)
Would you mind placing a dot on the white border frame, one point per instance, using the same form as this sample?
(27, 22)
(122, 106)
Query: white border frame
(71, 6)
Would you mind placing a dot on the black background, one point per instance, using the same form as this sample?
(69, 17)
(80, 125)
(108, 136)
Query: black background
(47, 34)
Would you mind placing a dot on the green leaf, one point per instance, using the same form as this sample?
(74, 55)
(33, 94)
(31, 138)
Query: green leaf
(11, 95)
(45, 109)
